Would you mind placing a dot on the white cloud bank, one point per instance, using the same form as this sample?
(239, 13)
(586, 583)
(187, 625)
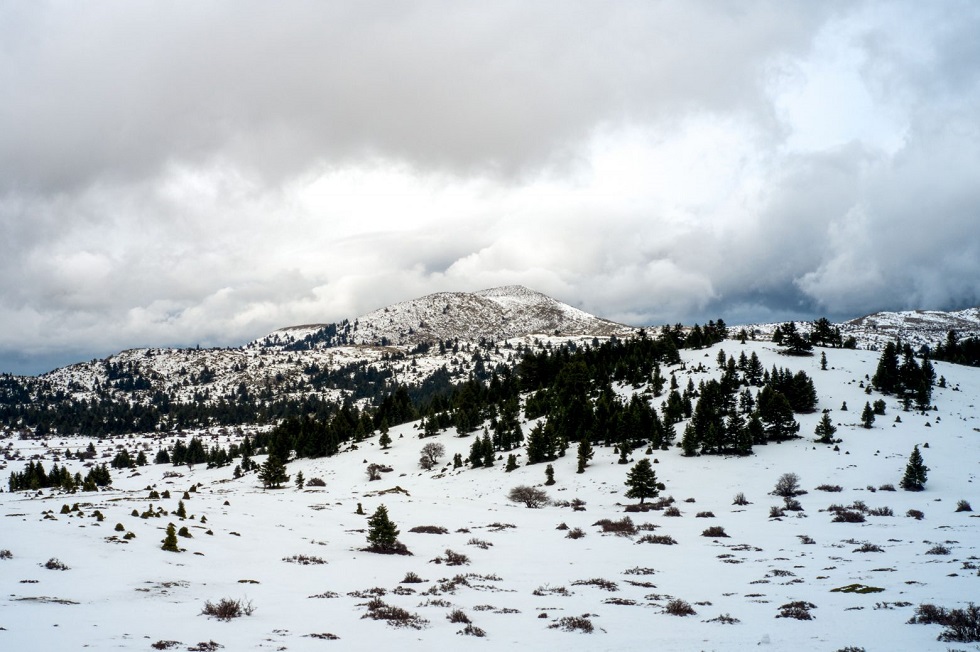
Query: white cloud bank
(182, 174)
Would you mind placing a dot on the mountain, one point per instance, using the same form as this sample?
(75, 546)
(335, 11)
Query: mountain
(495, 314)
(447, 335)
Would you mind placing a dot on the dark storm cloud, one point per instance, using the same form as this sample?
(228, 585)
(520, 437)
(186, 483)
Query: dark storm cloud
(183, 173)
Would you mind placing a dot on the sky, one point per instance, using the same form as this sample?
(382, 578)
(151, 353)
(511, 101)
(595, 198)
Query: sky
(202, 173)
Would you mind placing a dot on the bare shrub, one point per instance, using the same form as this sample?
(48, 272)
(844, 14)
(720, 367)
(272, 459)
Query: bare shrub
(429, 529)
(848, 516)
(715, 531)
(962, 625)
(831, 488)
(575, 533)
(412, 578)
(316, 482)
(304, 560)
(916, 514)
(788, 486)
(678, 607)
(374, 471)
(542, 591)
(806, 539)
(164, 645)
(532, 497)
(724, 619)
(453, 558)
(886, 487)
(740, 499)
(226, 609)
(624, 527)
(394, 616)
(6, 554)
(606, 585)
(639, 570)
(938, 549)
(458, 616)
(661, 539)
(54, 564)
(776, 512)
(479, 543)
(672, 511)
(792, 505)
(869, 547)
(430, 455)
(963, 506)
(573, 624)
(704, 515)
(799, 610)
(472, 630)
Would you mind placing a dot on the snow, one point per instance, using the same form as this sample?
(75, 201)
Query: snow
(128, 596)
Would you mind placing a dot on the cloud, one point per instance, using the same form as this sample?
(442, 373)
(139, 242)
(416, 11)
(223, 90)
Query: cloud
(208, 173)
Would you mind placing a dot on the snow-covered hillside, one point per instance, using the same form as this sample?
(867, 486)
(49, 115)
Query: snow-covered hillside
(525, 578)
(495, 314)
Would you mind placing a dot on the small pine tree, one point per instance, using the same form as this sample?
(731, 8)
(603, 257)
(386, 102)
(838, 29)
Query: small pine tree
(181, 510)
(457, 461)
(642, 481)
(549, 472)
(382, 533)
(915, 472)
(273, 472)
(825, 430)
(511, 463)
(823, 361)
(300, 480)
(867, 416)
(585, 454)
(170, 541)
(384, 439)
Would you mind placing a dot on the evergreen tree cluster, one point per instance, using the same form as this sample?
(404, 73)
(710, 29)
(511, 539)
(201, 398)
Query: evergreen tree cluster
(34, 477)
(729, 420)
(957, 351)
(909, 380)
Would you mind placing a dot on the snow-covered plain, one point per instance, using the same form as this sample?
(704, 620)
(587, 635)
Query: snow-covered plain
(131, 595)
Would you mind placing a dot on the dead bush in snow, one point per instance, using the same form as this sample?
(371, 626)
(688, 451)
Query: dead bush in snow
(678, 607)
(624, 527)
(394, 616)
(226, 609)
(573, 624)
(430, 454)
(788, 486)
(799, 610)
(429, 529)
(532, 497)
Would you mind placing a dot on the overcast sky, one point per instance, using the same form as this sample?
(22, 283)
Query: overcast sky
(182, 173)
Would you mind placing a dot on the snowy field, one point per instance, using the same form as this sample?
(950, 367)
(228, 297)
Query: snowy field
(524, 575)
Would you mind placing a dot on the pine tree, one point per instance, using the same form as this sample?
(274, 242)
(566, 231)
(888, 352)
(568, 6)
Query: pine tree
(915, 472)
(585, 454)
(642, 481)
(273, 472)
(511, 463)
(170, 541)
(382, 534)
(825, 430)
(385, 439)
(300, 480)
(867, 416)
(549, 472)
(181, 510)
